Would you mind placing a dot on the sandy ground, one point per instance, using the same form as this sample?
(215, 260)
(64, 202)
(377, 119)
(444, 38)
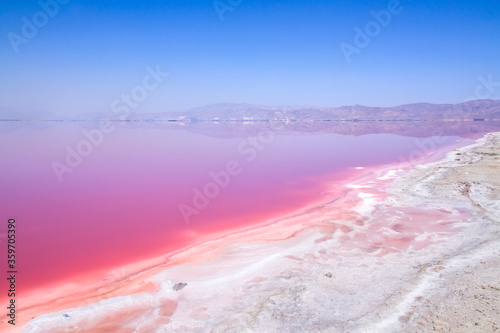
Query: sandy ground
(411, 251)
(468, 299)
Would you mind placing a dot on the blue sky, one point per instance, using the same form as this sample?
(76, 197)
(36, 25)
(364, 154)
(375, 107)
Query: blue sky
(263, 52)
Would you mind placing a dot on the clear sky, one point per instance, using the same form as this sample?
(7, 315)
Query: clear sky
(89, 53)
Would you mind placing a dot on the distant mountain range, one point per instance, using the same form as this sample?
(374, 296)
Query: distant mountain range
(469, 119)
(473, 110)
(469, 111)
(229, 119)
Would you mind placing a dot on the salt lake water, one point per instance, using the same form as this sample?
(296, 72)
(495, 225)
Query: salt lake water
(138, 192)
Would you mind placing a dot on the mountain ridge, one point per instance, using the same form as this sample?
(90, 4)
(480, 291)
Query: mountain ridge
(486, 109)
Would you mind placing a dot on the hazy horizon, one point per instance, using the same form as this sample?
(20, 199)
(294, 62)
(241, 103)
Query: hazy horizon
(11, 114)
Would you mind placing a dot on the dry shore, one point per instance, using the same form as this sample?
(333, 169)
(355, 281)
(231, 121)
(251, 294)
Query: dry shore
(467, 297)
(400, 250)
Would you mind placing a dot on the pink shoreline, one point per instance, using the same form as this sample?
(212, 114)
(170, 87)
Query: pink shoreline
(134, 278)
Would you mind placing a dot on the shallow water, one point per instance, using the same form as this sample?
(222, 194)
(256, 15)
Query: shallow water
(137, 192)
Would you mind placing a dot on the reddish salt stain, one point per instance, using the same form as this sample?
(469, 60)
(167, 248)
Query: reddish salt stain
(293, 257)
(388, 229)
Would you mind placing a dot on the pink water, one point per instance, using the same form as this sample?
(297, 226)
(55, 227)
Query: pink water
(121, 204)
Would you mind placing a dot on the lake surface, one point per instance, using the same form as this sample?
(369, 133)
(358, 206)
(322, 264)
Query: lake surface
(138, 192)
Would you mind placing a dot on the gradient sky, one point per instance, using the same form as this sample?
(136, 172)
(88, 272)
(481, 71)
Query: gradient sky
(263, 52)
